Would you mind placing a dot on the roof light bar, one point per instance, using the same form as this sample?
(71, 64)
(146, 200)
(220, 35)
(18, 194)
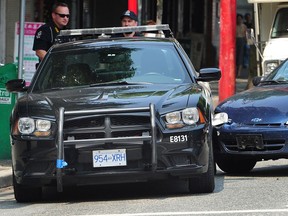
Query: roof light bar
(114, 30)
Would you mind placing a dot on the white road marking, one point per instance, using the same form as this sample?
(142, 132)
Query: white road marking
(198, 212)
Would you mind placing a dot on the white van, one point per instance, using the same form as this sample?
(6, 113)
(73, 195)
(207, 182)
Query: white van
(276, 49)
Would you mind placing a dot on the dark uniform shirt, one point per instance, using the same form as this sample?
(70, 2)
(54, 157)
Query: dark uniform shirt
(45, 36)
(137, 34)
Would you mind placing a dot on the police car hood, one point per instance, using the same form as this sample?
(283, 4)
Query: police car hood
(165, 98)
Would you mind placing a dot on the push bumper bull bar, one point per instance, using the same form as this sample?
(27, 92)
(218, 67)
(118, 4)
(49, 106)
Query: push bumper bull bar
(60, 163)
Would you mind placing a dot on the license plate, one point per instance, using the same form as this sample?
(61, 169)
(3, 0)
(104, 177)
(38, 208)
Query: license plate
(247, 140)
(109, 158)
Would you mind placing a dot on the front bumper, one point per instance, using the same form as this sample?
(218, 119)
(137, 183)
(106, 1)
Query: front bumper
(150, 156)
(179, 161)
(255, 142)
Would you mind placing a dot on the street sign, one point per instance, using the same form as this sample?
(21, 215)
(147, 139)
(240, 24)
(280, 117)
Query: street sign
(29, 56)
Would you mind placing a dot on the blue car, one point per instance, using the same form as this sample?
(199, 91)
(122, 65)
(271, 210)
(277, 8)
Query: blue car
(257, 128)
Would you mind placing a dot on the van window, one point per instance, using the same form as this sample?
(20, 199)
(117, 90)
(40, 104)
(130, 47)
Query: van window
(280, 25)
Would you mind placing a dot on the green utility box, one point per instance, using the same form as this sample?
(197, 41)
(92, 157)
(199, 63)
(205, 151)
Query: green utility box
(7, 102)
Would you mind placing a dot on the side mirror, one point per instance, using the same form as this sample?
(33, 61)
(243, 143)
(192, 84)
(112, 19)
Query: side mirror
(209, 74)
(256, 80)
(16, 85)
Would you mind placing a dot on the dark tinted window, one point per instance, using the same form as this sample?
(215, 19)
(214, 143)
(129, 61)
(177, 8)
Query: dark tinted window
(159, 64)
(280, 25)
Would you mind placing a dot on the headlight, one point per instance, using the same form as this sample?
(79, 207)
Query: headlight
(270, 66)
(220, 118)
(174, 117)
(30, 126)
(26, 125)
(43, 125)
(188, 116)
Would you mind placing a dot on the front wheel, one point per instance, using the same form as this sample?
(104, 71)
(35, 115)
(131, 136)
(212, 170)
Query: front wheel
(234, 166)
(25, 193)
(206, 182)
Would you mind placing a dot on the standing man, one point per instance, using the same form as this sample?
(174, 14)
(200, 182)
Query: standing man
(240, 43)
(45, 36)
(129, 18)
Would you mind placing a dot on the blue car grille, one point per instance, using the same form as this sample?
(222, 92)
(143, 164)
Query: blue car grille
(268, 144)
(263, 125)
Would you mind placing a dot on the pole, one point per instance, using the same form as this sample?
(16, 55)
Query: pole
(227, 57)
(133, 6)
(159, 11)
(21, 39)
(257, 33)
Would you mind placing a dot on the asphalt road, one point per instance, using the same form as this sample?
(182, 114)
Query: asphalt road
(262, 192)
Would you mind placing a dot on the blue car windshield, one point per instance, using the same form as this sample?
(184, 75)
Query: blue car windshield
(107, 64)
(280, 74)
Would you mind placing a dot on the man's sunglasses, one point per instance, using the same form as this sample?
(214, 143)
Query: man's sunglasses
(63, 15)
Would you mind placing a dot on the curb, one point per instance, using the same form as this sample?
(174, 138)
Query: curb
(5, 178)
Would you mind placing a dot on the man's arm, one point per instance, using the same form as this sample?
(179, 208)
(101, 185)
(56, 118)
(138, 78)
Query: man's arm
(42, 41)
(40, 54)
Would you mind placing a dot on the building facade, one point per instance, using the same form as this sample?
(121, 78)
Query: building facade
(195, 23)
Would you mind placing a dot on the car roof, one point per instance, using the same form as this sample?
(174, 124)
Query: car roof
(106, 32)
(88, 43)
(77, 38)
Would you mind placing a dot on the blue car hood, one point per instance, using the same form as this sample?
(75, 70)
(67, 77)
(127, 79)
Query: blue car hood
(261, 105)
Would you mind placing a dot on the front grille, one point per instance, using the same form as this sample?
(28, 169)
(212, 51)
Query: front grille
(268, 144)
(262, 125)
(107, 126)
(84, 122)
(129, 120)
(40, 167)
(84, 130)
(179, 160)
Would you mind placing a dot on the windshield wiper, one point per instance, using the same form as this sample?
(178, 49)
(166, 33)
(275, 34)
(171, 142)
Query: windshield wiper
(113, 83)
(271, 82)
(55, 88)
(268, 82)
(66, 87)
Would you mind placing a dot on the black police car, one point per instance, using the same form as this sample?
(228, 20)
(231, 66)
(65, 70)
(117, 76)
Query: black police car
(112, 110)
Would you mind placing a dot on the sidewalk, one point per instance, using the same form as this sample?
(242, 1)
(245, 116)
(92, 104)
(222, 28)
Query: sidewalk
(241, 84)
(5, 173)
(6, 165)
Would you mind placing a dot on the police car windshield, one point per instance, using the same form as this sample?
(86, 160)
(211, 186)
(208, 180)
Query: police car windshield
(96, 65)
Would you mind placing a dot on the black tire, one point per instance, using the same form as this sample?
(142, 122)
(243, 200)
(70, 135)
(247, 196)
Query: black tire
(234, 166)
(206, 182)
(23, 193)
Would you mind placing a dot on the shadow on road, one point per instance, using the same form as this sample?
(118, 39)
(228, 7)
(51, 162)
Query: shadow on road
(160, 190)
(278, 168)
